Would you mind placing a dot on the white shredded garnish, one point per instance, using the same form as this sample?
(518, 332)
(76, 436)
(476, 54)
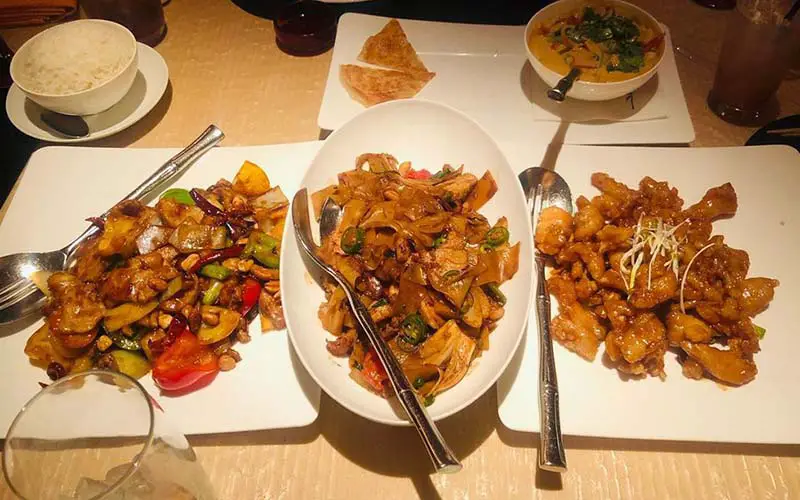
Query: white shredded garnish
(686, 272)
(657, 237)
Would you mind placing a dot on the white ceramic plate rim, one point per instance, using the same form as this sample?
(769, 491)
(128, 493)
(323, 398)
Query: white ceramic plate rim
(156, 74)
(293, 331)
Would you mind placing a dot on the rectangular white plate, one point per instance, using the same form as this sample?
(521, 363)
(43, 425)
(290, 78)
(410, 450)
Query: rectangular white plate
(595, 401)
(484, 72)
(61, 186)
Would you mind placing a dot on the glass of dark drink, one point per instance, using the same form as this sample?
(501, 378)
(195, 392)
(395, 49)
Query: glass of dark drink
(145, 18)
(756, 54)
(305, 28)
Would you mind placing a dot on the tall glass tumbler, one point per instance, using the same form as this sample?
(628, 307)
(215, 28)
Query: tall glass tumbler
(145, 18)
(58, 447)
(758, 49)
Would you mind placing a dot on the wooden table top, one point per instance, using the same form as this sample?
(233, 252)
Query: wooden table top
(226, 69)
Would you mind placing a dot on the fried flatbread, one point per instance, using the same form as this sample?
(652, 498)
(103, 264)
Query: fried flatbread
(371, 86)
(390, 48)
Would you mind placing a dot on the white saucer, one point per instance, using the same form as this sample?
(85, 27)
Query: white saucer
(148, 87)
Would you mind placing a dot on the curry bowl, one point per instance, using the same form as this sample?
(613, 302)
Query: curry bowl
(548, 40)
(428, 135)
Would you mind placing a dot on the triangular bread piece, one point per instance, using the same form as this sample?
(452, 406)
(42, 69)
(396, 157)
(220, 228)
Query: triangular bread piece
(371, 86)
(390, 48)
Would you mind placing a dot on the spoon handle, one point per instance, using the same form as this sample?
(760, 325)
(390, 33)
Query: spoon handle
(442, 457)
(551, 447)
(559, 92)
(175, 165)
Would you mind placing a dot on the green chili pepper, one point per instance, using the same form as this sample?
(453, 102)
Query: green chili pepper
(496, 236)
(428, 400)
(123, 342)
(451, 276)
(352, 240)
(263, 248)
(212, 293)
(215, 271)
(494, 293)
(439, 240)
(414, 329)
(179, 195)
(419, 382)
(760, 331)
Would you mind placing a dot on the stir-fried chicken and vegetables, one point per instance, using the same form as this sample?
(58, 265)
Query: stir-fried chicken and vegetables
(636, 271)
(424, 261)
(170, 288)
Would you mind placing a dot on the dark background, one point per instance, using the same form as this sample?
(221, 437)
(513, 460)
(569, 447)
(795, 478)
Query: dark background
(508, 12)
(15, 148)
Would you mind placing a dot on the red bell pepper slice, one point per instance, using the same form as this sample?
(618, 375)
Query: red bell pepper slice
(251, 289)
(418, 174)
(373, 371)
(185, 364)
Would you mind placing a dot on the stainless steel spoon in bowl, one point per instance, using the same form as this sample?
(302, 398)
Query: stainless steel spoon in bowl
(559, 92)
(443, 459)
(544, 188)
(20, 297)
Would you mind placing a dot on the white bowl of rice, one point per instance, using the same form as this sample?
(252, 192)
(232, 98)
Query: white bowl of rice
(77, 68)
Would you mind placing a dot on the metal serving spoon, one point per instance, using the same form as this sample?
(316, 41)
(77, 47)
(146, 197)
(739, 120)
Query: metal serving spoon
(20, 297)
(443, 459)
(559, 92)
(544, 188)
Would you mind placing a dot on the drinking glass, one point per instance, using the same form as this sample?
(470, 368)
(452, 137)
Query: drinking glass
(99, 435)
(145, 18)
(756, 54)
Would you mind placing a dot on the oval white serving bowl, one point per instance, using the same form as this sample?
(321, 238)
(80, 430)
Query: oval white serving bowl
(589, 91)
(429, 135)
(104, 93)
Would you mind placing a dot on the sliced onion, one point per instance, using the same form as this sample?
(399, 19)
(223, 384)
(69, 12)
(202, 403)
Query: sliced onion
(271, 200)
(152, 238)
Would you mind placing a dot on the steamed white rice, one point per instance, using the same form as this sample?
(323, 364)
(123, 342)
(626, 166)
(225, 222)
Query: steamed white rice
(73, 57)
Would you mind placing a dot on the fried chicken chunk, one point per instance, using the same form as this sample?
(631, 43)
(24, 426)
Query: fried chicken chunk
(141, 280)
(576, 328)
(74, 310)
(553, 230)
(639, 349)
(731, 366)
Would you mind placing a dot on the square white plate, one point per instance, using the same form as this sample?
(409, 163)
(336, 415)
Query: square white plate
(595, 401)
(484, 72)
(61, 186)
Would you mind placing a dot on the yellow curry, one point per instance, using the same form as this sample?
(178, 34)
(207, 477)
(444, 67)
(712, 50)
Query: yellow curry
(604, 44)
